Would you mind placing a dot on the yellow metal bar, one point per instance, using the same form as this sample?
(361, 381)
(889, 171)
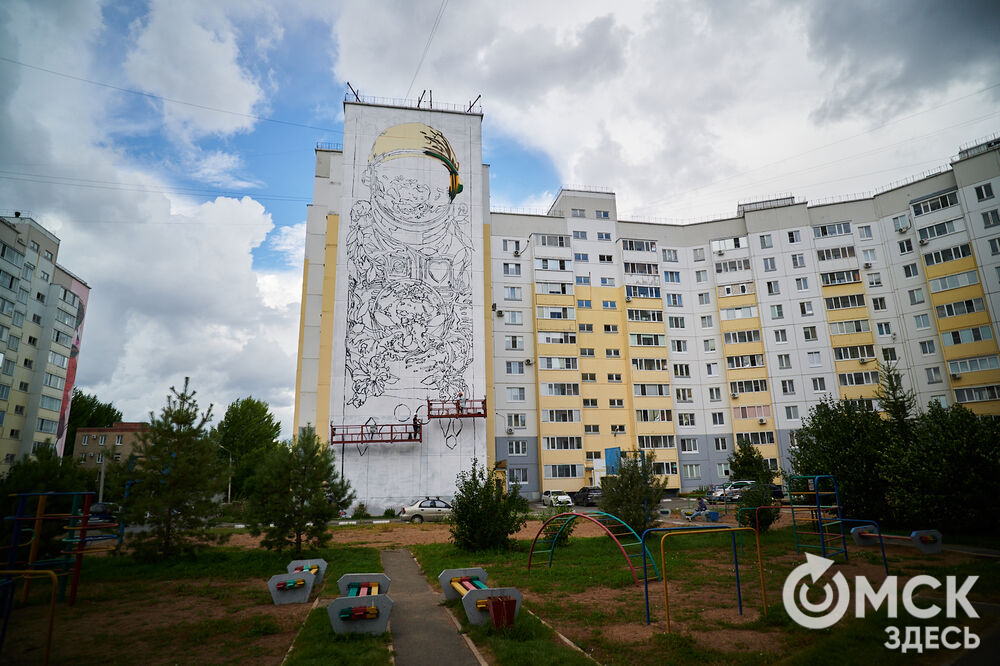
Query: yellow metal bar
(33, 551)
(37, 573)
(373, 589)
(459, 587)
(760, 565)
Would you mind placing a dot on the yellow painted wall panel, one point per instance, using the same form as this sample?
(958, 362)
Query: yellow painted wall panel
(949, 267)
(991, 407)
(841, 289)
(852, 339)
(855, 392)
(562, 300)
(739, 324)
(959, 294)
(969, 349)
(488, 319)
(739, 301)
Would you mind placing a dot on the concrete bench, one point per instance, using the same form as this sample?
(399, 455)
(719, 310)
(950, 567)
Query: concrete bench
(469, 585)
(363, 606)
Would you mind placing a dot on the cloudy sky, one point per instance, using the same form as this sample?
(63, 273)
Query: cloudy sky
(169, 143)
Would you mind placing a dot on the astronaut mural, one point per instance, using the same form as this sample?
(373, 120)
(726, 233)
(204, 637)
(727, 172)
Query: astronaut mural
(410, 254)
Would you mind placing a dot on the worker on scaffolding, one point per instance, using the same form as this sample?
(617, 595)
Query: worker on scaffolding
(416, 427)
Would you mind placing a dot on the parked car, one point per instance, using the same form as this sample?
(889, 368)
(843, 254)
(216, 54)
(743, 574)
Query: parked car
(735, 494)
(726, 491)
(556, 498)
(588, 496)
(429, 509)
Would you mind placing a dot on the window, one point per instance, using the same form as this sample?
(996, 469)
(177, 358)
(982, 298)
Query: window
(905, 246)
(868, 255)
(698, 254)
(583, 279)
(792, 412)
(515, 394)
(588, 377)
(966, 335)
(591, 430)
(675, 322)
(784, 361)
(916, 296)
(514, 342)
(927, 347)
(712, 369)
(718, 418)
(806, 308)
(28, 363)
(833, 253)
(954, 281)
(874, 279)
(777, 312)
(589, 402)
(691, 471)
(704, 298)
(670, 255)
(773, 288)
(865, 231)
(935, 203)
(563, 471)
(615, 377)
(612, 353)
(769, 264)
(118, 440)
(801, 284)
(671, 276)
(815, 359)
(708, 344)
(934, 375)
(991, 218)
(994, 246)
(578, 212)
(706, 321)
(819, 384)
(780, 335)
(684, 394)
(948, 254)
(689, 444)
(910, 270)
(511, 269)
(884, 328)
(809, 333)
(582, 257)
(788, 386)
(798, 261)
(617, 429)
(609, 305)
(701, 276)
(878, 303)
(984, 192)
(605, 258)
(562, 443)
(580, 235)
(794, 237)
(922, 321)
(679, 346)
(889, 353)
(517, 420)
(512, 293)
(583, 303)
(603, 236)
(510, 245)
(673, 300)
(765, 241)
(601, 214)
(715, 394)
(682, 370)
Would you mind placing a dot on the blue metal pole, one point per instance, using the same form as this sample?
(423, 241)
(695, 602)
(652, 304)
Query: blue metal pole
(736, 562)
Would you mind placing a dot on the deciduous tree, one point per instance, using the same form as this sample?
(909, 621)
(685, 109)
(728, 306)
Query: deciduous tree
(245, 435)
(87, 411)
(634, 492)
(485, 515)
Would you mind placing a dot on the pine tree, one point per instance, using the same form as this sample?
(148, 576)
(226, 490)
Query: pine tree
(634, 492)
(296, 492)
(180, 479)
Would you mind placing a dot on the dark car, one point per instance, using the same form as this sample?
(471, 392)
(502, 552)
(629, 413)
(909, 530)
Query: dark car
(588, 496)
(734, 494)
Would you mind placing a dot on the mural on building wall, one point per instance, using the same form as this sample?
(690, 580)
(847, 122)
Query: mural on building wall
(410, 253)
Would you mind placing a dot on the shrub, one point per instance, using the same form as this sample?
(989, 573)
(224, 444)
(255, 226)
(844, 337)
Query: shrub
(389, 512)
(634, 493)
(360, 511)
(751, 498)
(484, 514)
(567, 532)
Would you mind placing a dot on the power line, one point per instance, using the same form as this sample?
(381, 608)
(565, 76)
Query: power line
(427, 46)
(169, 99)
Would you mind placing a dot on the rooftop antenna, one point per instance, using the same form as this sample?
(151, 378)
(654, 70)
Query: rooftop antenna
(419, 99)
(431, 104)
(473, 103)
(355, 92)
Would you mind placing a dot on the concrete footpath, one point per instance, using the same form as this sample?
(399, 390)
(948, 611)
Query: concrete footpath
(422, 632)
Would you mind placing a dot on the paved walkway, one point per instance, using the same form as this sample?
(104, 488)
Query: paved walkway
(422, 632)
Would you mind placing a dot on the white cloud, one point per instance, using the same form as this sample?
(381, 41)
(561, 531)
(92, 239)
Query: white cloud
(290, 242)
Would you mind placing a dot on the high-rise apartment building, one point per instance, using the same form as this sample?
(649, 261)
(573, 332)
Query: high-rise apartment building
(42, 307)
(604, 334)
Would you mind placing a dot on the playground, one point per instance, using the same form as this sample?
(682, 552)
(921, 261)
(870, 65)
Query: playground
(215, 607)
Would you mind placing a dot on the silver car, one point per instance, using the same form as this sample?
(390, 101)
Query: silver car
(556, 498)
(426, 509)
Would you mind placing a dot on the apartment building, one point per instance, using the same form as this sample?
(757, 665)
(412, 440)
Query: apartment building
(614, 335)
(42, 307)
(96, 446)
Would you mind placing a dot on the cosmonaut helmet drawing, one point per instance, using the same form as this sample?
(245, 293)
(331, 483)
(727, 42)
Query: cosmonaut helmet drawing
(409, 271)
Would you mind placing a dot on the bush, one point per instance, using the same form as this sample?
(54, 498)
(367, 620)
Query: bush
(484, 514)
(389, 512)
(751, 498)
(564, 536)
(634, 493)
(360, 511)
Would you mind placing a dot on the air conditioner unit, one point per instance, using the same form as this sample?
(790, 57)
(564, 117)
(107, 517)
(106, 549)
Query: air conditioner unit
(868, 264)
(734, 395)
(510, 431)
(954, 375)
(762, 421)
(528, 361)
(499, 313)
(903, 230)
(628, 299)
(863, 360)
(923, 241)
(721, 252)
(893, 336)
(517, 253)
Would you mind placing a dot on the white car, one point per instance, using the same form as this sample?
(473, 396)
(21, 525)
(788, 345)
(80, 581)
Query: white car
(426, 509)
(556, 498)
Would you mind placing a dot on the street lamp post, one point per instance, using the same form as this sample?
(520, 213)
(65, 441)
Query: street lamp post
(229, 493)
